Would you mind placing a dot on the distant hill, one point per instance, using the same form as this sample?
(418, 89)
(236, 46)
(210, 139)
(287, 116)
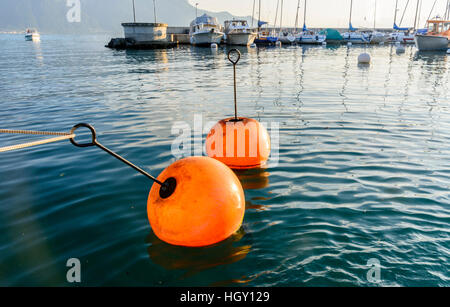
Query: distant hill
(97, 16)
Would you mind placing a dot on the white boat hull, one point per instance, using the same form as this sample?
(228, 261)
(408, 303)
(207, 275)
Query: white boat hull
(431, 43)
(311, 39)
(32, 37)
(206, 38)
(286, 39)
(378, 38)
(402, 38)
(355, 38)
(241, 39)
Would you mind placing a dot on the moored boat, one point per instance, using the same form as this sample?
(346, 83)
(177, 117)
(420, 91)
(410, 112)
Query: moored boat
(286, 37)
(32, 35)
(332, 36)
(264, 37)
(437, 38)
(402, 35)
(238, 32)
(377, 37)
(307, 36)
(205, 30)
(310, 37)
(353, 35)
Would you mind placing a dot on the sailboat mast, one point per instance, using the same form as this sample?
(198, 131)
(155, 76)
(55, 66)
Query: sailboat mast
(446, 11)
(259, 15)
(351, 8)
(304, 15)
(281, 15)
(432, 12)
(375, 16)
(134, 13)
(154, 9)
(420, 10)
(253, 12)
(404, 11)
(417, 11)
(395, 15)
(296, 16)
(276, 14)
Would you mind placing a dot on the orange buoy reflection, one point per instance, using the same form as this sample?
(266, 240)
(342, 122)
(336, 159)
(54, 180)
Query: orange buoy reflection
(206, 207)
(241, 144)
(195, 260)
(253, 179)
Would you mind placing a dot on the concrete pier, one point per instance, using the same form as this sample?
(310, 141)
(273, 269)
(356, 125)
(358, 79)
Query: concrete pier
(143, 36)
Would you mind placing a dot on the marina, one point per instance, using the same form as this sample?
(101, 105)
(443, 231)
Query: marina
(207, 32)
(229, 152)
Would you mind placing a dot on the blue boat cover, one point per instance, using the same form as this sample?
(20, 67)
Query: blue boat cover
(422, 31)
(399, 29)
(261, 23)
(305, 28)
(205, 19)
(350, 27)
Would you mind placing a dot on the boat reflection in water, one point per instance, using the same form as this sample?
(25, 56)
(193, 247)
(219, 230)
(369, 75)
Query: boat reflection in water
(140, 56)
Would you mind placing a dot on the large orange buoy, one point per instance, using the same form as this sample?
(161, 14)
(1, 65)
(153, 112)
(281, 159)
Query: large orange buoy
(201, 203)
(239, 142)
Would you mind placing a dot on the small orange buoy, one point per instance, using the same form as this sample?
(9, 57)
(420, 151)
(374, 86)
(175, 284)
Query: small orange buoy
(240, 144)
(203, 205)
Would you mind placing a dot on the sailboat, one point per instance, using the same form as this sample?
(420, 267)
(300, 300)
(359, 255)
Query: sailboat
(376, 37)
(264, 37)
(284, 37)
(353, 36)
(307, 36)
(402, 35)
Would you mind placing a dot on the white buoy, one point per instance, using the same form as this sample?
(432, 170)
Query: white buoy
(400, 49)
(349, 43)
(448, 51)
(364, 58)
(253, 45)
(214, 46)
(278, 44)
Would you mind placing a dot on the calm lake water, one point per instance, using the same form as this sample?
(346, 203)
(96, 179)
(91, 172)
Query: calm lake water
(363, 171)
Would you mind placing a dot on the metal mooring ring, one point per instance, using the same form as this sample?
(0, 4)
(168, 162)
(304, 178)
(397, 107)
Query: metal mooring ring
(236, 54)
(94, 135)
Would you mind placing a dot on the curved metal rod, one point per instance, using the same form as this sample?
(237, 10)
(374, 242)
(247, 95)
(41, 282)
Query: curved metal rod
(237, 56)
(94, 142)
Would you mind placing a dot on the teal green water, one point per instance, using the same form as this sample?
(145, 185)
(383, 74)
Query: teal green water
(363, 168)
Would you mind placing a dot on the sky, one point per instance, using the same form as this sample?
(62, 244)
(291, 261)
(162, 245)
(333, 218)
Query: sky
(331, 13)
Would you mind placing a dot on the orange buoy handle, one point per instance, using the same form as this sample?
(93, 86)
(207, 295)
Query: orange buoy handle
(167, 188)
